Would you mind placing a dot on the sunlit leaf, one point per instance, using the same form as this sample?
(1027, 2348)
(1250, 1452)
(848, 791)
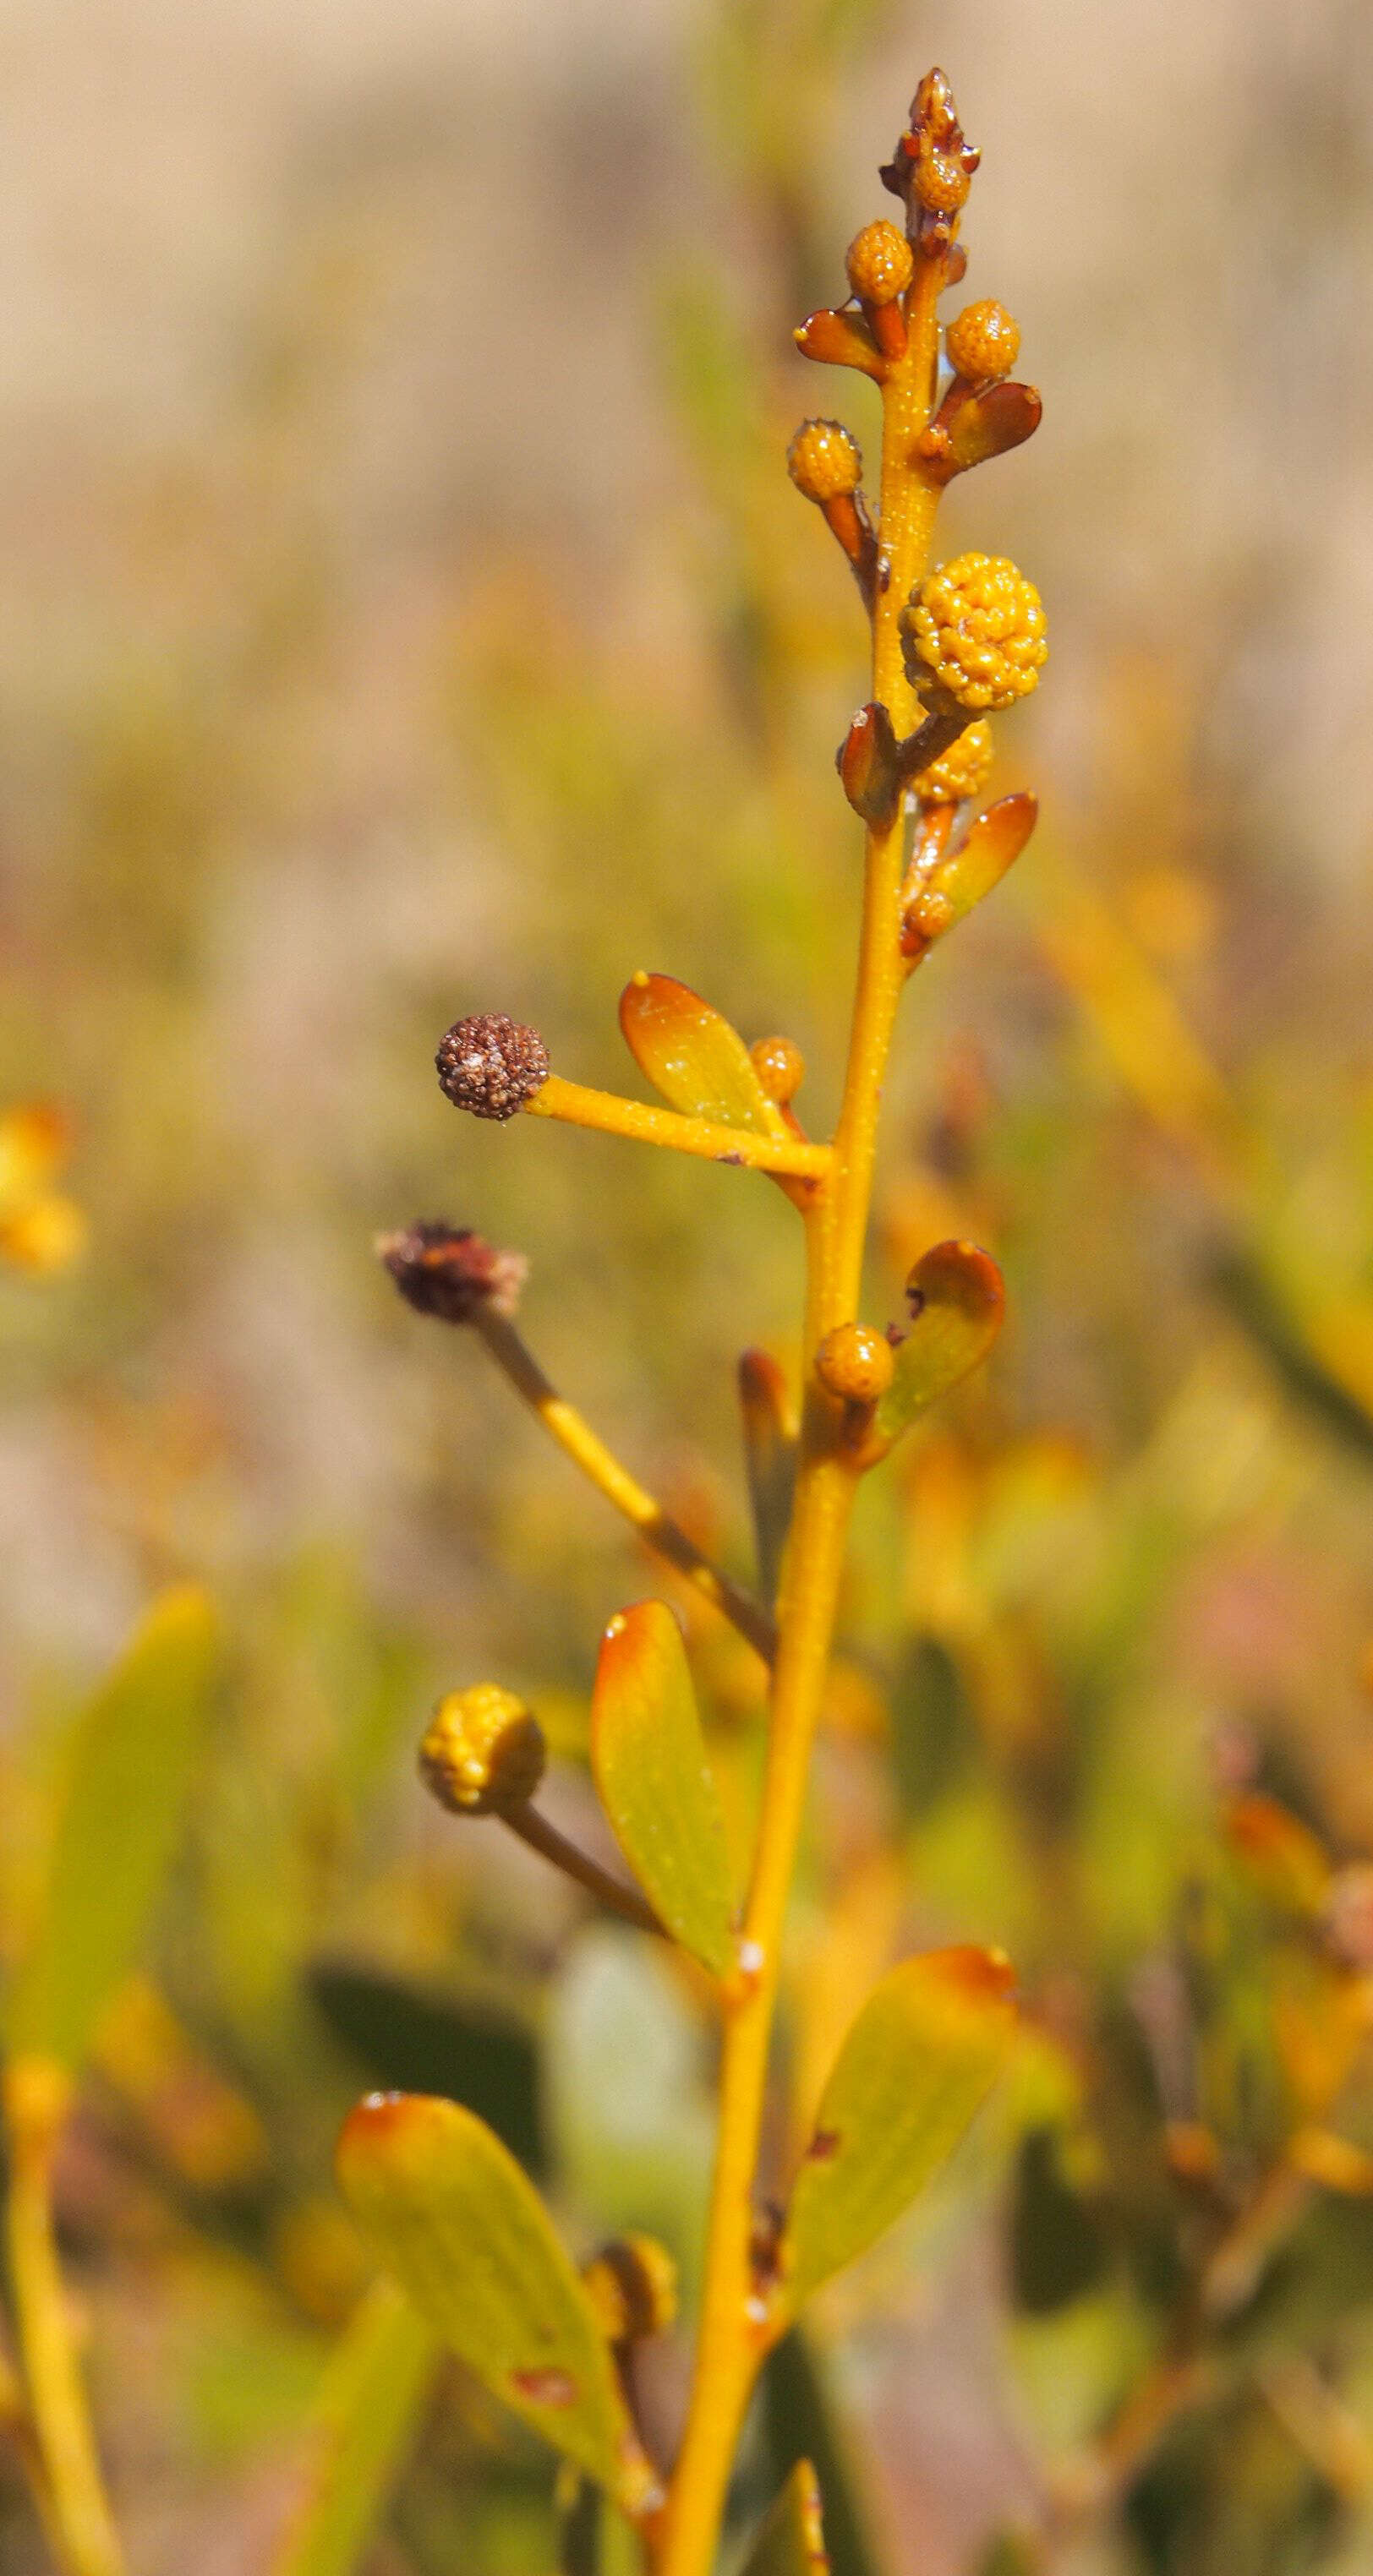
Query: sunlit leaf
(841, 340)
(449, 2212)
(958, 1302)
(769, 1459)
(919, 2060)
(363, 2422)
(692, 1055)
(649, 1761)
(991, 845)
(791, 2542)
(991, 423)
(129, 1768)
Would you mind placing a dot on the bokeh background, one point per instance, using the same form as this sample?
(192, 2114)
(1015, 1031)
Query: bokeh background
(403, 612)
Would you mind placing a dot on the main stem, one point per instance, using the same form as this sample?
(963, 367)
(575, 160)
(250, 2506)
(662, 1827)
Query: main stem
(734, 2334)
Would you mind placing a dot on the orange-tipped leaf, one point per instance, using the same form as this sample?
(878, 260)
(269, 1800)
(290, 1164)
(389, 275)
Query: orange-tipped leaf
(690, 1053)
(958, 1303)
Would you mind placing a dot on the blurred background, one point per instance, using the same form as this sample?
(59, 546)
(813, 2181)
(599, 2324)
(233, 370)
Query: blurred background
(406, 613)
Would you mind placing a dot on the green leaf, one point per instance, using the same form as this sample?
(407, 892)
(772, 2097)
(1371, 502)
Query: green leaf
(650, 1766)
(693, 1057)
(958, 1303)
(447, 2209)
(919, 2060)
(800, 2422)
(769, 1459)
(363, 2422)
(791, 2542)
(130, 1763)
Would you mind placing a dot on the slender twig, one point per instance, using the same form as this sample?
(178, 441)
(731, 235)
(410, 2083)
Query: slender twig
(655, 1526)
(649, 1125)
(535, 1829)
(80, 2524)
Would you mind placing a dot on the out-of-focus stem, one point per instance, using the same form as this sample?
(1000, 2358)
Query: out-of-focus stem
(79, 2521)
(656, 1527)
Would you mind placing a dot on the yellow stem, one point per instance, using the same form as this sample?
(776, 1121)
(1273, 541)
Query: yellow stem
(735, 2328)
(705, 1137)
(656, 1527)
(80, 2524)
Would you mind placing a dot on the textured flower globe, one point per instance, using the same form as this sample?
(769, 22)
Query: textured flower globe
(976, 627)
(962, 770)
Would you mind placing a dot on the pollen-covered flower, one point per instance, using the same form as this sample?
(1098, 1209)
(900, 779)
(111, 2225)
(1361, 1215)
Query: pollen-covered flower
(975, 627)
(983, 343)
(962, 770)
(491, 1064)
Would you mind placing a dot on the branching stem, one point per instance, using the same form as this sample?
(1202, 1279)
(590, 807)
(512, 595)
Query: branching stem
(651, 1125)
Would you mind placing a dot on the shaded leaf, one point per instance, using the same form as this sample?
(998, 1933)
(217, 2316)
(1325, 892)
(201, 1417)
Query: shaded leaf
(919, 2060)
(364, 2420)
(799, 2424)
(933, 1730)
(409, 2038)
(446, 2208)
(991, 423)
(958, 1304)
(1288, 1864)
(1057, 2250)
(693, 1056)
(791, 2542)
(869, 764)
(649, 1761)
(130, 1763)
(769, 1459)
(1278, 1336)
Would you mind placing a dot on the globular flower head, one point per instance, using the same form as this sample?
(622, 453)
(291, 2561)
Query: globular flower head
(484, 1751)
(962, 770)
(975, 627)
(983, 343)
(824, 460)
(491, 1064)
(880, 263)
(450, 1272)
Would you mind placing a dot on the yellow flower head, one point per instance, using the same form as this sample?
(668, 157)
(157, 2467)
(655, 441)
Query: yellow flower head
(976, 627)
(962, 770)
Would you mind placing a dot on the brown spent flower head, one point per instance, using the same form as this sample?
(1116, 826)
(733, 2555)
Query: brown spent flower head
(880, 263)
(962, 770)
(450, 1272)
(491, 1064)
(983, 342)
(856, 1363)
(824, 460)
(780, 1067)
(632, 2285)
(975, 627)
(484, 1751)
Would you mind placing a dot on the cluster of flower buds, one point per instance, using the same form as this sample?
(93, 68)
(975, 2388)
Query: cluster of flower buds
(484, 1752)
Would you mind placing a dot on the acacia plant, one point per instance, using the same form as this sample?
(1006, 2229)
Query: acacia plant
(442, 2201)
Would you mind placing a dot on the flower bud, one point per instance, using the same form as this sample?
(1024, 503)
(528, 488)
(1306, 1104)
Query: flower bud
(975, 627)
(983, 343)
(484, 1751)
(855, 1363)
(824, 460)
(880, 263)
(780, 1067)
(491, 1064)
(962, 770)
(451, 1272)
(632, 2285)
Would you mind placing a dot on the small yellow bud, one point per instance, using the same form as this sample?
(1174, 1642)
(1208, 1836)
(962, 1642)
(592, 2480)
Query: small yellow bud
(780, 1067)
(484, 1751)
(976, 627)
(632, 2285)
(984, 342)
(880, 263)
(962, 770)
(824, 461)
(855, 1363)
